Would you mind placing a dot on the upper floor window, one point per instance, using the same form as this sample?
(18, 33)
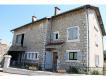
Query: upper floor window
(20, 39)
(96, 40)
(73, 33)
(95, 28)
(56, 35)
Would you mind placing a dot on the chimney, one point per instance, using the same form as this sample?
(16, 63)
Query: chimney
(57, 11)
(34, 18)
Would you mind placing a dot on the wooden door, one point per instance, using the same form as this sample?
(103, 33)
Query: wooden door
(55, 57)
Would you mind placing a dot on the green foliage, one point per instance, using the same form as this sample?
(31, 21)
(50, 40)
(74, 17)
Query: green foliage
(95, 72)
(73, 70)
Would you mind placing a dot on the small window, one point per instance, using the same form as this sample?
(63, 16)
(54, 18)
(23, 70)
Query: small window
(72, 55)
(96, 40)
(96, 60)
(72, 33)
(56, 35)
(95, 28)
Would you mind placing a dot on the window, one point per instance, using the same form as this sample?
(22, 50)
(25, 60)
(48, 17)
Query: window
(20, 39)
(95, 28)
(73, 33)
(96, 60)
(96, 40)
(32, 55)
(72, 55)
(56, 35)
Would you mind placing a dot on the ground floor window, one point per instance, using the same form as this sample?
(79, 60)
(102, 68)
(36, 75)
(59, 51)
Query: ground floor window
(96, 60)
(72, 55)
(32, 55)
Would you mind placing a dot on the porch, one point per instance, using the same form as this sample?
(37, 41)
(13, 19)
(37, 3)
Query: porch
(20, 59)
(53, 55)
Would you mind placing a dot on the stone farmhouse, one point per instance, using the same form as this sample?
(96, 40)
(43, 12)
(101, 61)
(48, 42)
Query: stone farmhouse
(69, 39)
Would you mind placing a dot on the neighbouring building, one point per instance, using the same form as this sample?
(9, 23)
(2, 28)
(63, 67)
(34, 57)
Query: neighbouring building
(3, 49)
(69, 39)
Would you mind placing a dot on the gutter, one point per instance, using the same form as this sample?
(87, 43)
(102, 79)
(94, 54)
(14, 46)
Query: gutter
(88, 38)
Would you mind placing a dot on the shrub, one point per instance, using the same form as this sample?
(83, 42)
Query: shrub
(95, 72)
(72, 70)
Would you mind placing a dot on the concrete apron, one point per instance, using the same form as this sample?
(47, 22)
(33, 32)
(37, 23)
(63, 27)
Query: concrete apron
(27, 72)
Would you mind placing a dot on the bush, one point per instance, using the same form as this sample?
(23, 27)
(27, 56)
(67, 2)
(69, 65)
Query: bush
(72, 70)
(95, 72)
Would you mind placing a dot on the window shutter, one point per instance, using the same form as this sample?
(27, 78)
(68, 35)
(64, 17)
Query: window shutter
(52, 36)
(66, 56)
(37, 55)
(79, 56)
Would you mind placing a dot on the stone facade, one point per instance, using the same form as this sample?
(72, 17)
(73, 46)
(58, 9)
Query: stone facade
(39, 34)
(61, 23)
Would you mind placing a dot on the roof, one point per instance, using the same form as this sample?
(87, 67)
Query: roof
(45, 18)
(76, 9)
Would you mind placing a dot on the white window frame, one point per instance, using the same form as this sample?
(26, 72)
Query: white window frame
(67, 51)
(30, 58)
(77, 34)
(54, 35)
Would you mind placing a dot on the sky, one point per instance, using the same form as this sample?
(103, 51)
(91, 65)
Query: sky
(13, 16)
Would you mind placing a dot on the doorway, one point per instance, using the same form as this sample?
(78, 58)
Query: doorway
(55, 57)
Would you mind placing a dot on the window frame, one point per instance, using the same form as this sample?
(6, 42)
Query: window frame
(73, 56)
(67, 51)
(77, 34)
(54, 35)
(30, 55)
(17, 41)
(21, 41)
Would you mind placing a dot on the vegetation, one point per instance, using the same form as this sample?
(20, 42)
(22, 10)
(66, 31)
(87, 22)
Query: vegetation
(73, 70)
(95, 72)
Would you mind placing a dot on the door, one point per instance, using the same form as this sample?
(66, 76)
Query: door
(48, 61)
(55, 57)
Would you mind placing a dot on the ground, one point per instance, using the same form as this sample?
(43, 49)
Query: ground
(36, 74)
(24, 72)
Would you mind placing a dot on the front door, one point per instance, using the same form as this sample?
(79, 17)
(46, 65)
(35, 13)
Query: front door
(55, 57)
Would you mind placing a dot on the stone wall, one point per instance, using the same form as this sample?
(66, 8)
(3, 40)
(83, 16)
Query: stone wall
(61, 23)
(34, 38)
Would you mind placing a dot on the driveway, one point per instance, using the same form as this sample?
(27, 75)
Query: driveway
(17, 71)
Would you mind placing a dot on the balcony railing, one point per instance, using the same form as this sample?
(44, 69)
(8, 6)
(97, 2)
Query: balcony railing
(56, 42)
